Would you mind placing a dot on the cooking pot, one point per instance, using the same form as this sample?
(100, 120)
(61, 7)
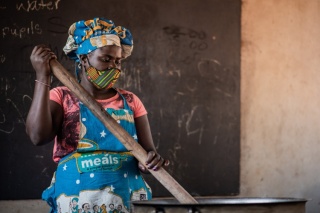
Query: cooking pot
(221, 205)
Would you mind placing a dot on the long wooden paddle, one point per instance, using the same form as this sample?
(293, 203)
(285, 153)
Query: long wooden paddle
(123, 136)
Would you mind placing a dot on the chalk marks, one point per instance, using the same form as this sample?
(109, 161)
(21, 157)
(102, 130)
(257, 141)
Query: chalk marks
(7, 87)
(4, 123)
(222, 78)
(177, 32)
(207, 66)
(2, 58)
(37, 5)
(195, 83)
(19, 31)
(14, 106)
(195, 117)
(8, 125)
(188, 54)
(190, 132)
(186, 43)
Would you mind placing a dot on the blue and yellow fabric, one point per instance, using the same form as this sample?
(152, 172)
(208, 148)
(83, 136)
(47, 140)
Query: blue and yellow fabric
(101, 173)
(86, 36)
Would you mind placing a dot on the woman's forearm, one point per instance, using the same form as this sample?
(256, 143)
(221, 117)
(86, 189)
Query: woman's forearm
(39, 124)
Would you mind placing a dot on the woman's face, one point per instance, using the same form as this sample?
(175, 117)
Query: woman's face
(106, 57)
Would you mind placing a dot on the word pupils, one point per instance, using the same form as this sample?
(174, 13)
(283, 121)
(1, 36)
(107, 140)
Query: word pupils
(38, 5)
(20, 32)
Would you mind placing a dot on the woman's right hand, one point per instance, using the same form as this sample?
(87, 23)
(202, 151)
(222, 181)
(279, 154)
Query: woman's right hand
(40, 58)
(45, 116)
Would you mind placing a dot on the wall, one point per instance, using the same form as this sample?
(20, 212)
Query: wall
(280, 116)
(280, 124)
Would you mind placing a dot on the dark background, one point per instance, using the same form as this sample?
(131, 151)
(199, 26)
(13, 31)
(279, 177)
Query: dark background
(185, 68)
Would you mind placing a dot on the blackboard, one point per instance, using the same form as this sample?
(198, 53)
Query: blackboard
(185, 67)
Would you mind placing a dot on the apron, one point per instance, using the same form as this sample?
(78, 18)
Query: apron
(101, 175)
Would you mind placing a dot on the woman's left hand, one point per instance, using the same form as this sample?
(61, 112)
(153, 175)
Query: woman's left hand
(154, 161)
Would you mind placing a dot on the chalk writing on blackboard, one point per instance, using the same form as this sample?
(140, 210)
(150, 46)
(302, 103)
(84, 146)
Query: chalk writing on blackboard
(176, 32)
(21, 31)
(37, 5)
(8, 126)
(2, 58)
(194, 42)
(16, 104)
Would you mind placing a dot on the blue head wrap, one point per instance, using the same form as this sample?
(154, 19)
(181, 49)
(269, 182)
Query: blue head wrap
(86, 36)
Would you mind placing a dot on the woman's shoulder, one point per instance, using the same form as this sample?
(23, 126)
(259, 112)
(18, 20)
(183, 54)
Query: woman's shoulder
(134, 102)
(61, 89)
(128, 95)
(61, 93)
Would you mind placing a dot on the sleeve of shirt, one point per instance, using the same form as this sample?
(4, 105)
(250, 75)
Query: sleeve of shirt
(55, 95)
(138, 107)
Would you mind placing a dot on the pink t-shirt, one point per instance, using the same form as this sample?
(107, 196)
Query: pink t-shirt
(67, 139)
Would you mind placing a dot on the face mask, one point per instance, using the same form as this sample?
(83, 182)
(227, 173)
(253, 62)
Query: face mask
(102, 79)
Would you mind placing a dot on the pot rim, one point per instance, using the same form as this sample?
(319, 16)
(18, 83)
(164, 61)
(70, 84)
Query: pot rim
(220, 201)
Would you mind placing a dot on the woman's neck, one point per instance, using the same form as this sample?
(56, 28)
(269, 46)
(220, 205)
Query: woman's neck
(99, 94)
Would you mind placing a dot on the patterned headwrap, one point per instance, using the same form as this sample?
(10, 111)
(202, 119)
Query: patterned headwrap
(86, 36)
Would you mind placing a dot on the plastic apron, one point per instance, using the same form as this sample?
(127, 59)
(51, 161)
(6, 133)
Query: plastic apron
(92, 179)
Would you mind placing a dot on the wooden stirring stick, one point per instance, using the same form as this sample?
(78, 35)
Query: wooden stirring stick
(123, 136)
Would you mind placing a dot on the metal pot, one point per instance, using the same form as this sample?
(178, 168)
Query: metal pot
(222, 205)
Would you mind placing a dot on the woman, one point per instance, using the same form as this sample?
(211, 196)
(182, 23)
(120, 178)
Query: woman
(93, 166)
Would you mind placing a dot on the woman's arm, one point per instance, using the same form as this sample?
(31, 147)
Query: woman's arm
(44, 116)
(154, 160)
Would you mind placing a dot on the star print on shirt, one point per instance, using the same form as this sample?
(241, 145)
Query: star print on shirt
(135, 136)
(65, 167)
(103, 134)
(112, 188)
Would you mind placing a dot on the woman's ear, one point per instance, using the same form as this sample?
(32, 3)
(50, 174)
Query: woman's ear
(83, 59)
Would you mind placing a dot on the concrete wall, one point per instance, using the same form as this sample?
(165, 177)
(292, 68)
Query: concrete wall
(280, 103)
(24, 206)
(280, 89)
